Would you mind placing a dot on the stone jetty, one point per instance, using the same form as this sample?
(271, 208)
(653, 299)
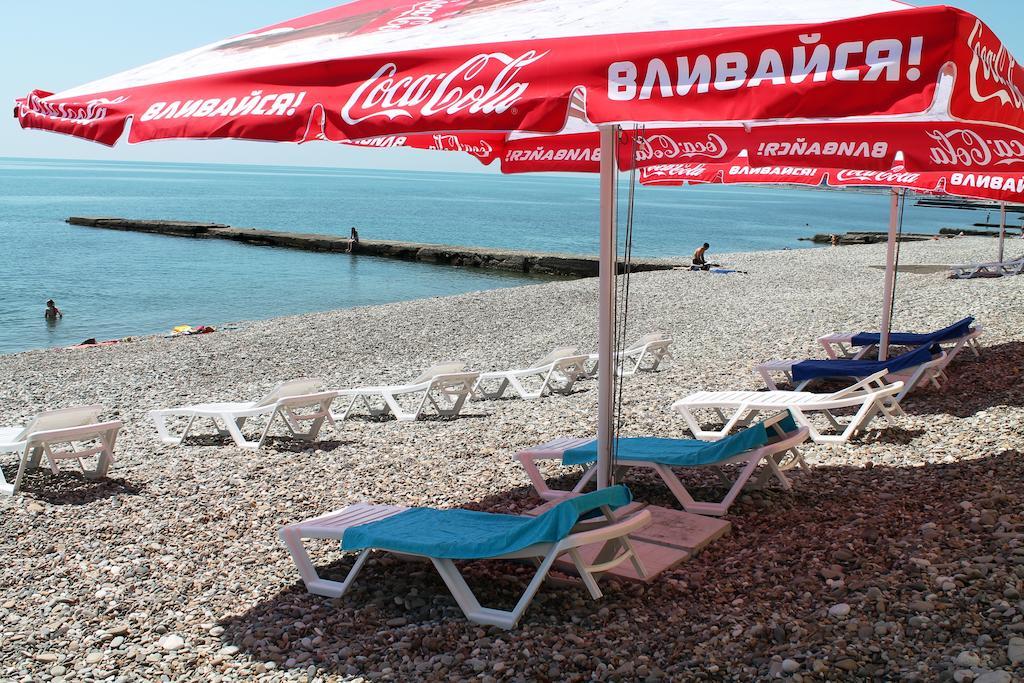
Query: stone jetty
(564, 265)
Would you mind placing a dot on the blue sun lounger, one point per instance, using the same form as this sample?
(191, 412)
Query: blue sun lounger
(953, 339)
(921, 365)
(772, 442)
(443, 536)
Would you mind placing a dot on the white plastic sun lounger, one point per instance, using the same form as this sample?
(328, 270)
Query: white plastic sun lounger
(55, 434)
(929, 372)
(993, 269)
(443, 387)
(871, 396)
(650, 348)
(557, 372)
(416, 539)
(777, 451)
(841, 345)
(295, 402)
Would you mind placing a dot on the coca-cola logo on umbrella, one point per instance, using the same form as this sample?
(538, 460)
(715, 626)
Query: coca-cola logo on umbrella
(881, 177)
(963, 147)
(452, 143)
(664, 147)
(487, 83)
(992, 70)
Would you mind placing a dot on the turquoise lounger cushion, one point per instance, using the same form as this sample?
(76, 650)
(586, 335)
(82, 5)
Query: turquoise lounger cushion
(472, 535)
(680, 452)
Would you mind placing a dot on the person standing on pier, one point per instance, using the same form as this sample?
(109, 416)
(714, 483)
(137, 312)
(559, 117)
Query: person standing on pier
(353, 240)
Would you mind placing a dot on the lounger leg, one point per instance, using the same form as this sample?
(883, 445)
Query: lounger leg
(160, 420)
(375, 411)
(701, 507)
(394, 407)
(585, 479)
(748, 470)
(529, 463)
(483, 615)
(52, 459)
(523, 392)
(35, 457)
(585, 575)
(315, 584)
(679, 490)
(12, 488)
(106, 456)
(766, 375)
(482, 393)
(293, 421)
(460, 401)
(694, 426)
(233, 428)
(741, 411)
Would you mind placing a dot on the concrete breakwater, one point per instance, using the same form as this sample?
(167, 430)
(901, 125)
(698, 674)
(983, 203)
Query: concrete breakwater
(566, 265)
(877, 236)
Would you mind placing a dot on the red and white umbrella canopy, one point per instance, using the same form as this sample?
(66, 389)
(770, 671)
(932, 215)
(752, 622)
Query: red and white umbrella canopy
(1005, 187)
(843, 83)
(376, 68)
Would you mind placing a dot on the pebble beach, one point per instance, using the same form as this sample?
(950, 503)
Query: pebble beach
(899, 556)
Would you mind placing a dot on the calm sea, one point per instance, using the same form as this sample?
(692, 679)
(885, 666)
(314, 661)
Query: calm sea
(114, 284)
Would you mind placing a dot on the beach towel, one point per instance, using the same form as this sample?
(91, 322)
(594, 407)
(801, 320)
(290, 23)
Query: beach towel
(813, 369)
(954, 331)
(471, 535)
(680, 452)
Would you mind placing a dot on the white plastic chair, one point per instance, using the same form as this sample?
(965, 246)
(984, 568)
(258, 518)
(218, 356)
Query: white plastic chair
(556, 372)
(930, 372)
(652, 348)
(779, 455)
(839, 345)
(871, 396)
(55, 434)
(441, 389)
(612, 532)
(295, 402)
(992, 269)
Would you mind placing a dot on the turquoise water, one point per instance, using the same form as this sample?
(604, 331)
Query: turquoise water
(113, 284)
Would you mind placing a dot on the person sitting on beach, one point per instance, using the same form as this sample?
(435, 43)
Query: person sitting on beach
(52, 312)
(353, 240)
(698, 257)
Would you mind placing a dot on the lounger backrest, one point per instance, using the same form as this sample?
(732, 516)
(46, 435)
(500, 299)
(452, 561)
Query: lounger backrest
(648, 339)
(558, 354)
(869, 383)
(568, 512)
(447, 368)
(61, 419)
(295, 387)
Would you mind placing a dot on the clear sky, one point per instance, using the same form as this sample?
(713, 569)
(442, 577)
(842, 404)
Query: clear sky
(56, 44)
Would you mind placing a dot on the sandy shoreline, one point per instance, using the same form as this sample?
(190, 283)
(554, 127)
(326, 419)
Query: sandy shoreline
(183, 541)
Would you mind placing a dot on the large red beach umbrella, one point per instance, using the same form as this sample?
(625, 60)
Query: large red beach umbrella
(777, 77)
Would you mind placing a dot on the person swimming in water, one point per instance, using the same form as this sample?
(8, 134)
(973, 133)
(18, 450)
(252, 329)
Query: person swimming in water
(52, 312)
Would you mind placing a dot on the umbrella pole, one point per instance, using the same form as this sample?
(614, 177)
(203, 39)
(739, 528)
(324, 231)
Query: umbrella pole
(890, 275)
(606, 307)
(1002, 229)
